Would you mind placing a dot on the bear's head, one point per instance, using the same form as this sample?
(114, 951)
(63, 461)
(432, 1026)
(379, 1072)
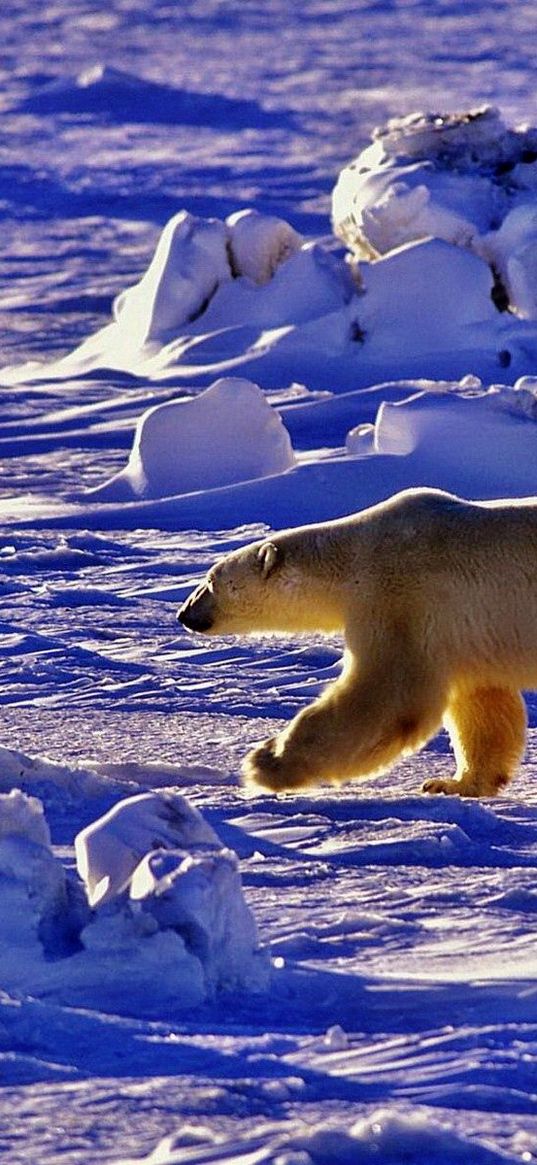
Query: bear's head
(285, 584)
(245, 591)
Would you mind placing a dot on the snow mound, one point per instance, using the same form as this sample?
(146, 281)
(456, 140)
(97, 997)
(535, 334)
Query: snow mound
(457, 177)
(473, 435)
(33, 888)
(227, 434)
(194, 257)
(182, 934)
(22, 816)
(386, 1135)
(259, 244)
(180, 883)
(430, 292)
(109, 850)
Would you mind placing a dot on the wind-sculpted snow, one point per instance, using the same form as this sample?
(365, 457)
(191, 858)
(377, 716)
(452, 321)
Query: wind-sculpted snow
(116, 96)
(388, 1135)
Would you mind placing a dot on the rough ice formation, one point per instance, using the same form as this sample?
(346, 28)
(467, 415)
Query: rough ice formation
(199, 895)
(33, 889)
(109, 850)
(458, 177)
(227, 434)
(194, 257)
(184, 895)
(183, 934)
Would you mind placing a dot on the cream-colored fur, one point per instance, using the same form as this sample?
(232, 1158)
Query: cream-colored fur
(437, 599)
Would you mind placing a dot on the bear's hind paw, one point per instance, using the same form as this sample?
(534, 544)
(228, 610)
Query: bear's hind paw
(467, 786)
(437, 785)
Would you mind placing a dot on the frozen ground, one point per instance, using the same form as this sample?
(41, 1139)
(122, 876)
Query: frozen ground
(390, 1013)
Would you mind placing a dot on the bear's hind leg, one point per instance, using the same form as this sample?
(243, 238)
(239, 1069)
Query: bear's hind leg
(487, 727)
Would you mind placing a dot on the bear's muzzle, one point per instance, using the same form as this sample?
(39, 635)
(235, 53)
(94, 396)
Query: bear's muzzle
(197, 612)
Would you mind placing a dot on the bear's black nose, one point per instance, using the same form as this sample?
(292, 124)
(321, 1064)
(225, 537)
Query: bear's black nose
(194, 620)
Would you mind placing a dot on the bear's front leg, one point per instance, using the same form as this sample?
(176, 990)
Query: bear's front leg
(303, 754)
(359, 726)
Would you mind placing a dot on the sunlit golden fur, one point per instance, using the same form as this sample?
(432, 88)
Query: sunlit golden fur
(437, 599)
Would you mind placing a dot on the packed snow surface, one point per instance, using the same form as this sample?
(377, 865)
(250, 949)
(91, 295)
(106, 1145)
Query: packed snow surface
(193, 358)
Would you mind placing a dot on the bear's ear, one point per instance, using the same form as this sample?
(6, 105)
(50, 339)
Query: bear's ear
(268, 556)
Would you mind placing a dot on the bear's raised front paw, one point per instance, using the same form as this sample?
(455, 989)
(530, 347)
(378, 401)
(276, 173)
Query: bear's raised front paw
(262, 766)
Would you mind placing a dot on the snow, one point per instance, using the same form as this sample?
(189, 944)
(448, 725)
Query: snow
(192, 359)
(174, 451)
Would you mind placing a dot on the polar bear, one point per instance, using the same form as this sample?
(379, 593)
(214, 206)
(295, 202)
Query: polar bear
(437, 599)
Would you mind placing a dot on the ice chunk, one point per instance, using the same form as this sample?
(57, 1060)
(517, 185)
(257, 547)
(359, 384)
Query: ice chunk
(259, 243)
(200, 897)
(425, 175)
(190, 262)
(228, 433)
(23, 816)
(109, 850)
(33, 890)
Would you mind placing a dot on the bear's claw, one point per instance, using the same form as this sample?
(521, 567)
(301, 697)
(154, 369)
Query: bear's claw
(437, 785)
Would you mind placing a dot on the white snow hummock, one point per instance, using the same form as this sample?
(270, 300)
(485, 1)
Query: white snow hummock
(33, 887)
(190, 261)
(180, 883)
(227, 434)
(259, 244)
(193, 258)
(416, 291)
(480, 439)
